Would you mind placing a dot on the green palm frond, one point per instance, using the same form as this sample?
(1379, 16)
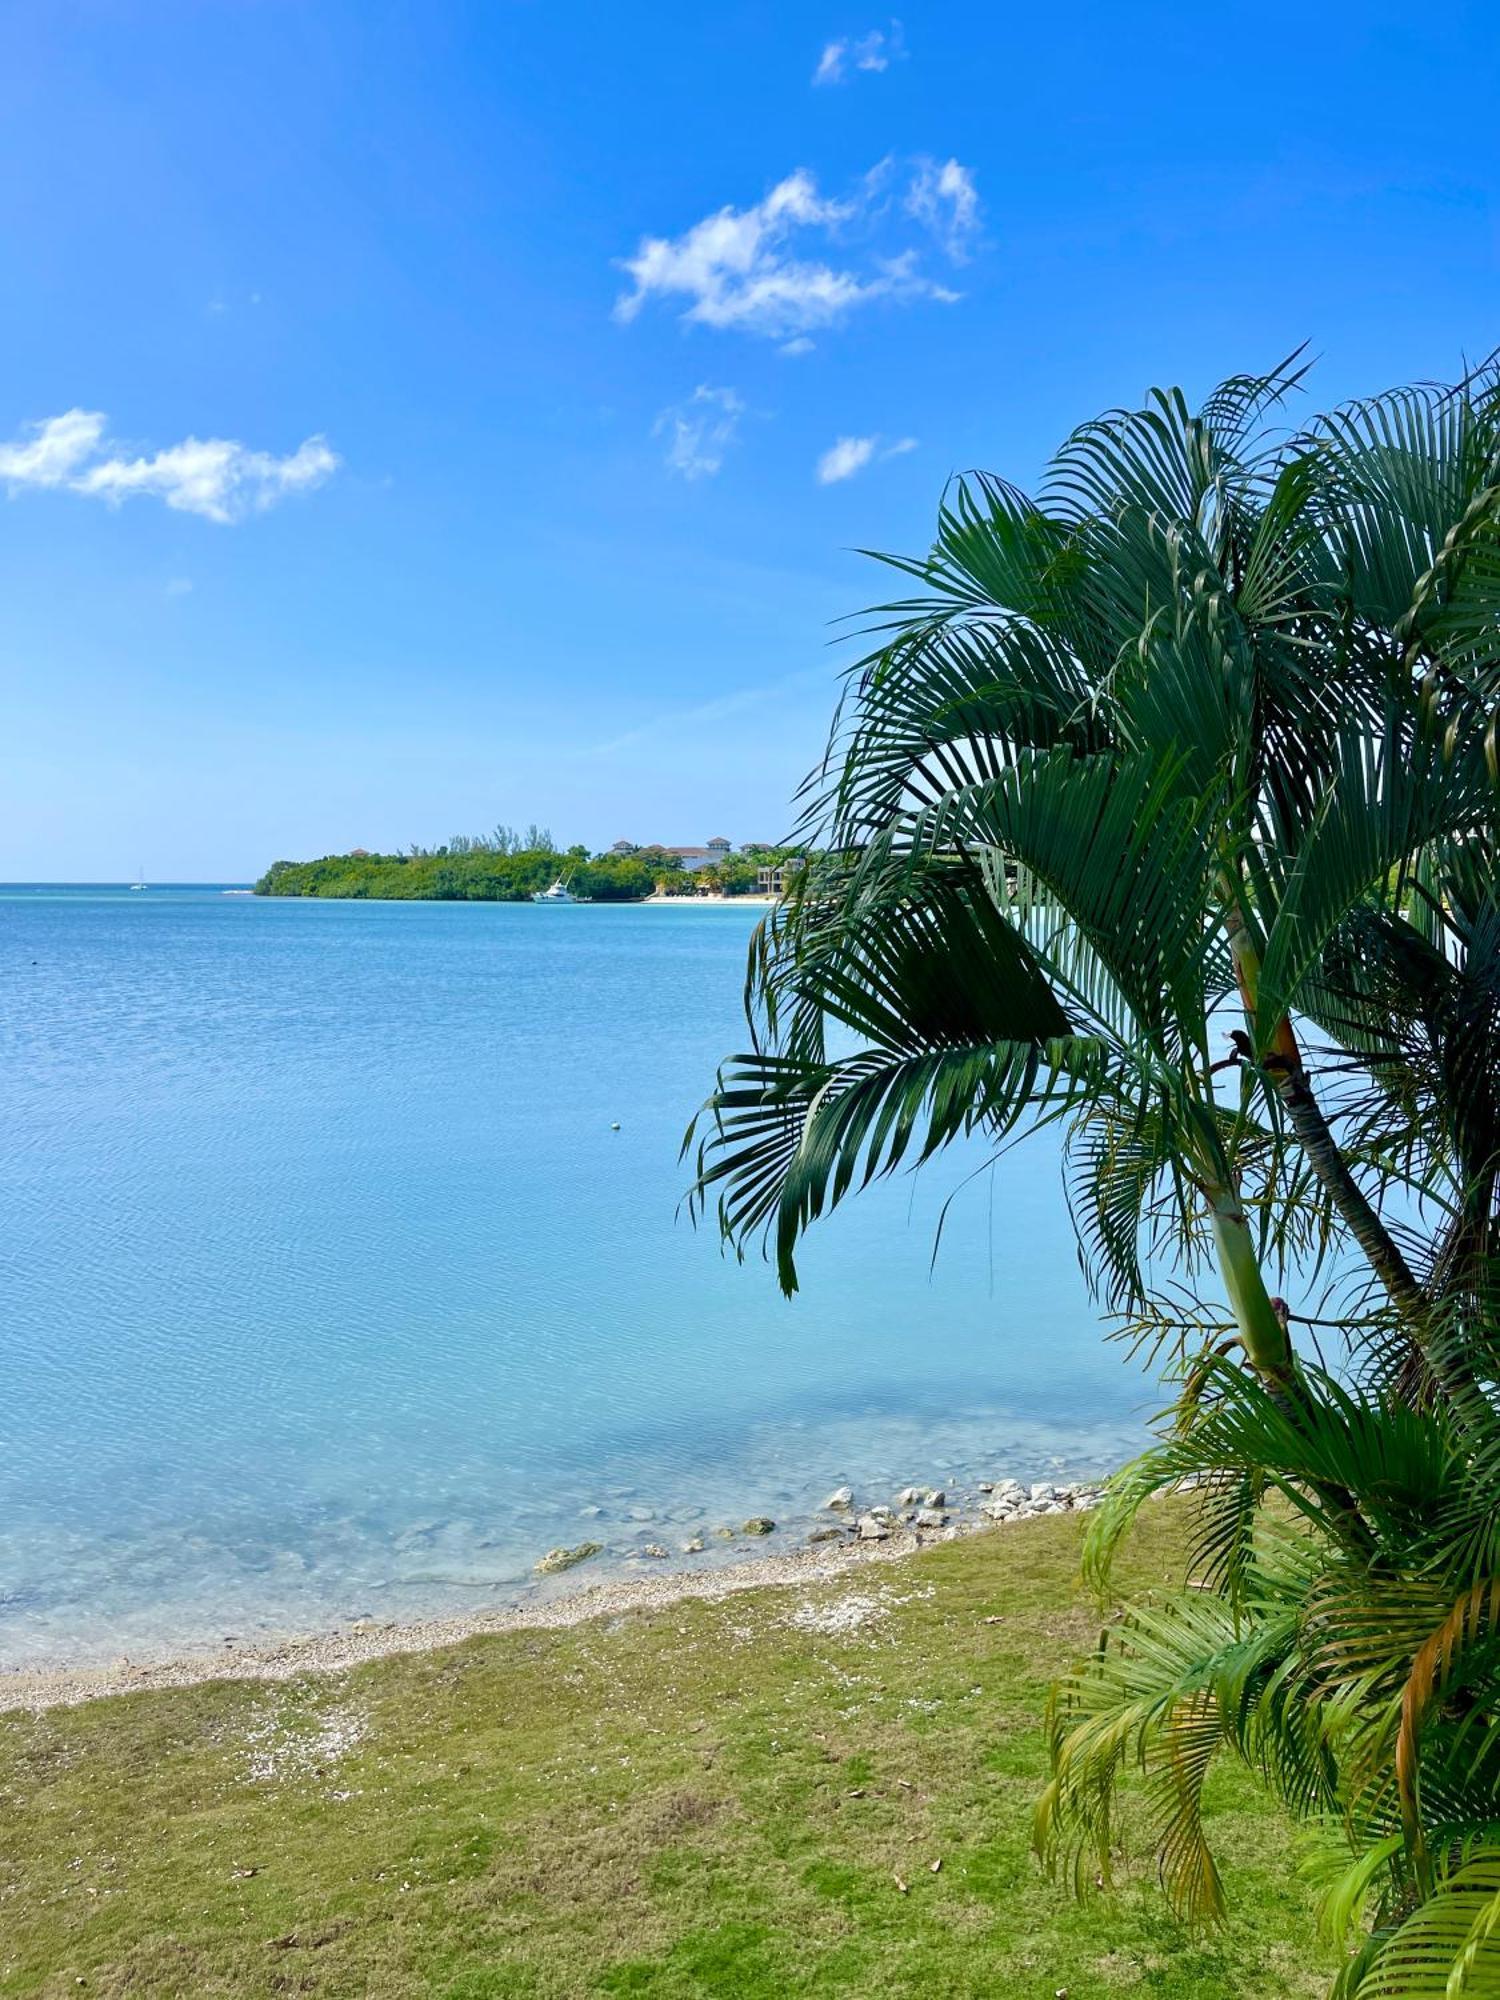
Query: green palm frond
(1447, 1948)
(1142, 780)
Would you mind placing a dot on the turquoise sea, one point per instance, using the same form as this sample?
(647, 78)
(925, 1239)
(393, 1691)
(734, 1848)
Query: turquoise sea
(328, 1291)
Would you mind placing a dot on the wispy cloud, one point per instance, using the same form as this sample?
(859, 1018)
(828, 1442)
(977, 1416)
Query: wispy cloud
(849, 455)
(748, 270)
(675, 721)
(700, 430)
(218, 478)
(876, 51)
(179, 586)
(944, 199)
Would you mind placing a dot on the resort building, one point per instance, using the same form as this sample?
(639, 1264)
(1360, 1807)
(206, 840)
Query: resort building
(772, 881)
(688, 858)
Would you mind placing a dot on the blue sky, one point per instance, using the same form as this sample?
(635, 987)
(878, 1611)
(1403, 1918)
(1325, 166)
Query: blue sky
(468, 411)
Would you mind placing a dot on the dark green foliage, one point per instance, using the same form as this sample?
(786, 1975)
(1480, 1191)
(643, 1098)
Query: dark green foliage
(507, 867)
(1158, 777)
(464, 874)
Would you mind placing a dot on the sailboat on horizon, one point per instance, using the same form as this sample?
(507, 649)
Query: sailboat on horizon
(140, 881)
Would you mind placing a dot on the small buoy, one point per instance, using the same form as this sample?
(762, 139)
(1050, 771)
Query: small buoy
(614, 1125)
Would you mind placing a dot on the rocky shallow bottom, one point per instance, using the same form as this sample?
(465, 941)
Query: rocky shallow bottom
(854, 1531)
(167, 1574)
(923, 1511)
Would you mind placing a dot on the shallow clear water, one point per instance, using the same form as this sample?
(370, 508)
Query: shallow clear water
(328, 1291)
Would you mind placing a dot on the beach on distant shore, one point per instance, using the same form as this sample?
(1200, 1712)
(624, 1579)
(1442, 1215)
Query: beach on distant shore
(687, 902)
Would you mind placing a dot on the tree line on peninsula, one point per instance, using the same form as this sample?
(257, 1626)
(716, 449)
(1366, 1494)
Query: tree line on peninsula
(509, 865)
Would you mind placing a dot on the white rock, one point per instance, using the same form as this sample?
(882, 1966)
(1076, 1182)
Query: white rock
(872, 1529)
(911, 1496)
(931, 1517)
(840, 1500)
(934, 1497)
(1043, 1492)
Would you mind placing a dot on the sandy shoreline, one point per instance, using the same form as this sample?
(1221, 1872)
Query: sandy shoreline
(689, 902)
(334, 1652)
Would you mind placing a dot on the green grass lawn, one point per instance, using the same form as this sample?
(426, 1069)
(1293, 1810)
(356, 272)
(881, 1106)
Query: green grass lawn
(731, 1798)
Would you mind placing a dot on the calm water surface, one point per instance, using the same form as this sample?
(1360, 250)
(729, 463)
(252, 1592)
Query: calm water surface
(328, 1291)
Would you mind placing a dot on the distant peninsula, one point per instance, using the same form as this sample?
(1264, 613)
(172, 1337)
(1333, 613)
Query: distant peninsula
(508, 866)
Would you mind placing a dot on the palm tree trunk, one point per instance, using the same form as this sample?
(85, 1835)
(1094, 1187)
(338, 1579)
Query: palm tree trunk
(1306, 1118)
(1262, 1330)
(1315, 1136)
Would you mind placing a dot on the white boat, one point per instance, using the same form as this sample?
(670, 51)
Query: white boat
(140, 879)
(558, 893)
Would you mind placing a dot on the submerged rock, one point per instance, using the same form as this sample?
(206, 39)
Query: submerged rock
(694, 1547)
(654, 1549)
(840, 1500)
(828, 1534)
(560, 1559)
(758, 1524)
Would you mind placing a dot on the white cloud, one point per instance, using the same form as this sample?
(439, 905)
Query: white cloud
(945, 200)
(738, 269)
(214, 477)
(700, 430)
(844, 459)
(54, 449)
(218, 478)
(179, 586)
(876, 51)
(852, 454)
(801, 345)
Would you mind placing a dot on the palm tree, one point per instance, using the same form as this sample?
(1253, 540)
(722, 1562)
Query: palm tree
(1363, 1683)
(1158, 773)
